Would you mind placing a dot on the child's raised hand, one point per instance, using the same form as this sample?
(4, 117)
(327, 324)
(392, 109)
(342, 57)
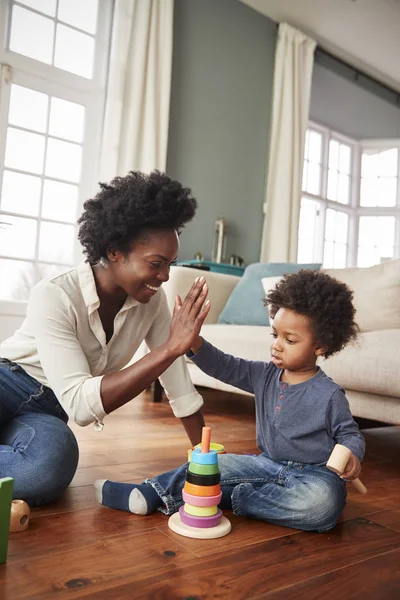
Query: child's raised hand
(352, 469)
(188, 317)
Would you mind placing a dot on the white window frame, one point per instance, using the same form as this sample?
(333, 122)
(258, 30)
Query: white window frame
(353, 209)
(22, 70)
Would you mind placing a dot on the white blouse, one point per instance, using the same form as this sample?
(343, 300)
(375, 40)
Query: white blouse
(62, 344)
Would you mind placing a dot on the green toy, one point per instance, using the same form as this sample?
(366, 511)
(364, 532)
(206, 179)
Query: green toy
(6, 490)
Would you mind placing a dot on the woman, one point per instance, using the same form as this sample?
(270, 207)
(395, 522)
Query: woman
(83, 326)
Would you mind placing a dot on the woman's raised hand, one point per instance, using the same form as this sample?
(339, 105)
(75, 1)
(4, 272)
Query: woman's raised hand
(188, 317)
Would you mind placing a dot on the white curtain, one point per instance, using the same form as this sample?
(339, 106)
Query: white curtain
(136, 119)
(290, 108)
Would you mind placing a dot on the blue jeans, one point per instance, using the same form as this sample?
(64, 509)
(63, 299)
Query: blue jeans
(37, 448)
(307, 497)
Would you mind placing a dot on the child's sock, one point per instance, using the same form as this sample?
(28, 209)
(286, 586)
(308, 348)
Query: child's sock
(226, 500)
(139, 499)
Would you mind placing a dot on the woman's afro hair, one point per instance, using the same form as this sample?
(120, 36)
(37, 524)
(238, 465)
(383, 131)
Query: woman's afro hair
(326, 301)
(128, 206)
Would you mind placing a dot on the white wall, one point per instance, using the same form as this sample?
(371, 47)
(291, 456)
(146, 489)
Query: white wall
(364, 33)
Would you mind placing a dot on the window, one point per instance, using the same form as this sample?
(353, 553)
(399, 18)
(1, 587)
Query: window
(53, 63)
(350, 208)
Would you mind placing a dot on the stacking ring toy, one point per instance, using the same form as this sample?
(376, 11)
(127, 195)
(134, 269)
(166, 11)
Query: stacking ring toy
(201, 500)
(201, 458)
(203, 479)
(200, 511)
(200, 521)
(203, 469)
(202, 490)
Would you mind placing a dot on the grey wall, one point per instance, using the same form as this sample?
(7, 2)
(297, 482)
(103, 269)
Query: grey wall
(350, 109)
(219, 122)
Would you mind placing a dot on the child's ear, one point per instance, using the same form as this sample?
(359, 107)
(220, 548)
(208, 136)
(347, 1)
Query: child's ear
(319, 351)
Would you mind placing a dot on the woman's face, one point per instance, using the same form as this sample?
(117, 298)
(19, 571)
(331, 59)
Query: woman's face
(146, 267)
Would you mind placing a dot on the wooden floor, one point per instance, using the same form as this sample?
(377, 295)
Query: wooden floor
(77, 549)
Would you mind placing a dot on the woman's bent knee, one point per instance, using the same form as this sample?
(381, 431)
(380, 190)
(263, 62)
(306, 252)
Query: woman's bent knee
(48, 464)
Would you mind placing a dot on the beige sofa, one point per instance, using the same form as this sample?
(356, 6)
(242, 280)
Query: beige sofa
(369, 371)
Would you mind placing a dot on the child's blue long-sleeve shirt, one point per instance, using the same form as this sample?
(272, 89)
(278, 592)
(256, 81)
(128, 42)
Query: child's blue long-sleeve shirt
(300, 422)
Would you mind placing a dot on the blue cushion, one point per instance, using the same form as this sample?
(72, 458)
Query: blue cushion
(245, 305)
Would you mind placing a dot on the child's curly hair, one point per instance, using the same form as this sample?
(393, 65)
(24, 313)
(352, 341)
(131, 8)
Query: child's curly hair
(128, 206)
(326, 301)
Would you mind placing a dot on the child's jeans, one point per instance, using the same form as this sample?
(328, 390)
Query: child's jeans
(37, 448)
(307, 497)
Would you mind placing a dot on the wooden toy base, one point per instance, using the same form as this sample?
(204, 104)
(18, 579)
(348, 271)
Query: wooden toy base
(204, 533)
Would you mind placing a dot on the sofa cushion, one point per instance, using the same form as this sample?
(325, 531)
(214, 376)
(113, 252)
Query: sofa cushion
(245, 305)
(370, 365)
(376, 294)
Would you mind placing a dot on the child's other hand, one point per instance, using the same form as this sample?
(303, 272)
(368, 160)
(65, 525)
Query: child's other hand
(352, 469)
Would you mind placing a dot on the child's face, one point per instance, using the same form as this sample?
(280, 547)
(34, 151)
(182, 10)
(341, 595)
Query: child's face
(294, 347)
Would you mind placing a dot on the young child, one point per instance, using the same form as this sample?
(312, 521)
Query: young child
(300, 414)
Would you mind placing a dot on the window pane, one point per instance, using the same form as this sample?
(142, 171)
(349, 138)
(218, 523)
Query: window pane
(45, 270)
(305, 171)
(74, 51)
(336, 226)
(66, 119)
(388, 162)
(328, 255)
(375, 240)
(387, 191)
(56, 242)
(307, 228)
(344, 160)
(342, 224)
(332, 184)
(18, 239)
(313, 179)
(45, 6)
(24, 151)
(32, 35)
(16, 279)
(28, 108)
(315, 147)
(60, 201)
(367, 257)
(378, 163)
(369, 192)
(380, 191)
(343, 189)
(330, 225)
(82, 15)
(385, 228)
(20, 193)
(334, 155)
(339, 257)
(307, 144)
(63, 160)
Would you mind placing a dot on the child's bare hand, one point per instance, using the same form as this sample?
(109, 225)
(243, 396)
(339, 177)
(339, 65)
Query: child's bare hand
(352, 469)
(188, 317)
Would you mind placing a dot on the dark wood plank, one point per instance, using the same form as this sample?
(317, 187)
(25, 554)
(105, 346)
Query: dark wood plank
(389, 518)
(93, 566)
(374, 579)
(47, 534)
(263, 567)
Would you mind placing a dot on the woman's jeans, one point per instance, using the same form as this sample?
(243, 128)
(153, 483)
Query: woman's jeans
(37, 448)
(307, 497)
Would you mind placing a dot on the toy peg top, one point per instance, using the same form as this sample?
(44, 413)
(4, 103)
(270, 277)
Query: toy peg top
(205, 439)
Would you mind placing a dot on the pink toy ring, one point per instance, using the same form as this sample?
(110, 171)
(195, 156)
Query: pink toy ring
(200, 522)
(201, 500)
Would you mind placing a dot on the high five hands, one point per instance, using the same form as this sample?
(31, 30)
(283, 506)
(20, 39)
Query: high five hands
(188, 318)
